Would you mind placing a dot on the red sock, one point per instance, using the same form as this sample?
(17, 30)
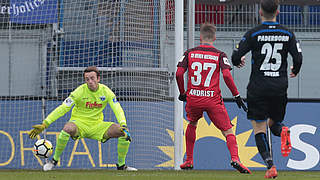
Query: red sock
(232, 146)
(190, 139)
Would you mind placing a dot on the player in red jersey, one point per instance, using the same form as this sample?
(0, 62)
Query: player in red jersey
(203, 94)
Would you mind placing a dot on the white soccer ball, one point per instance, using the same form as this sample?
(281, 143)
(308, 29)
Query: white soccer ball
(43, 148)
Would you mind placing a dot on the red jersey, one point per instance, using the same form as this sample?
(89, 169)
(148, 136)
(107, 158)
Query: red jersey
(204, 64)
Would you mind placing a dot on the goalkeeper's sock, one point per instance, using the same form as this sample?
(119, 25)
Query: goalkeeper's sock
(232, 146)
(190, 139)
(263, 148)
(61, 144)
(123, 147)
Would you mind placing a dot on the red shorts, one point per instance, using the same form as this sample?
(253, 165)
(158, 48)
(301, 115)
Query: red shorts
(215, 110)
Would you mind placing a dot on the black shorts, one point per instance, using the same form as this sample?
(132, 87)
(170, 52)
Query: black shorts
(264, 107)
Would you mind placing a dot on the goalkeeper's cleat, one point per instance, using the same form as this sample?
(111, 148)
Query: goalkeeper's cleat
(126, 168)
(271, 173)
(49, 165)
(240, 167)
(285, 141)
(187, 165)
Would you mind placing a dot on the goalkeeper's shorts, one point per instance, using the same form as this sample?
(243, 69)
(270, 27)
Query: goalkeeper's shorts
(92, 130)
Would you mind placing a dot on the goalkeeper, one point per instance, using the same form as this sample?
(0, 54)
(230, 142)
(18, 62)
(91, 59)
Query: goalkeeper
(88, 102)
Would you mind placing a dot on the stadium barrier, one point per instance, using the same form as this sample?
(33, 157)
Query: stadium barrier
(152, 148)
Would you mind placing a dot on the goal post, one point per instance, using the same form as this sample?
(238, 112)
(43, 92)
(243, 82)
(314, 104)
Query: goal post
(178, 105)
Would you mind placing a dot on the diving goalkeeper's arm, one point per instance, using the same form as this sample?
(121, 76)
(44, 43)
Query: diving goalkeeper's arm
(53, 116)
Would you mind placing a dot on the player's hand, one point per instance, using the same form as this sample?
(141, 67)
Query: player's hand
(242, 62)
(37, 129)
(292, 75)
(125, 130)
(183, 97)
(240, 103)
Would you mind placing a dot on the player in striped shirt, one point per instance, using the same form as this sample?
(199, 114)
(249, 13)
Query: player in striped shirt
(88, 102)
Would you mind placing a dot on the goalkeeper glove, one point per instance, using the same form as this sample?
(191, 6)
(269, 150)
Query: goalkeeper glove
(125, 130)
(37, 129)
(240, 103)
(183, 97)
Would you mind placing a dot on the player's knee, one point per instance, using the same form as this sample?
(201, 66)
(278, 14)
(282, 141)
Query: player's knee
(114, 131)
(71, 129)
(193, 123)
(276, 129)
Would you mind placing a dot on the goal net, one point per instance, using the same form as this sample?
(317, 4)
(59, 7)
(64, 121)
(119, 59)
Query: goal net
(45, 46)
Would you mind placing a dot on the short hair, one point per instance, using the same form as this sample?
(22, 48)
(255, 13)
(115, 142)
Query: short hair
(92, 69)
(269, 7)
(208, 31)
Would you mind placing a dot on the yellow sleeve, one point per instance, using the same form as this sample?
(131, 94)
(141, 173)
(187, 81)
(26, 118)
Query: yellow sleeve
(117, 109)
(59, 111)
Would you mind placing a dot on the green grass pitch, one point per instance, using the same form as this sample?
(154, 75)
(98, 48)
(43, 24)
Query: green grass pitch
(149, 175)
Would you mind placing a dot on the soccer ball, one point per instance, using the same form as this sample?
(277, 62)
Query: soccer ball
(43, 148)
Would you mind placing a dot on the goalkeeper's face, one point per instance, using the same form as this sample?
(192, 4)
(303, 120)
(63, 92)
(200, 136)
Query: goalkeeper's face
(92, 80)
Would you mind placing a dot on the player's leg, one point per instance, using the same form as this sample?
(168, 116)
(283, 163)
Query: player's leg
(190, 137)
(275, 127)
(69, 129)
(219, 117)
(231, 142)
(277, 110)
(193, 115)
(258, 114)
(259, 128)
(262, 144)
(233, 149)
(113, 131)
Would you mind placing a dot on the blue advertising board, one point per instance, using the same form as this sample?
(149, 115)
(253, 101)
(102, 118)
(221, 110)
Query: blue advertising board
(302, 119)
(32, 11)
(152, 146)
(17, 118)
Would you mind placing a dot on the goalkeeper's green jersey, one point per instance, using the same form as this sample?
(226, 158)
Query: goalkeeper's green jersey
(88, 106)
